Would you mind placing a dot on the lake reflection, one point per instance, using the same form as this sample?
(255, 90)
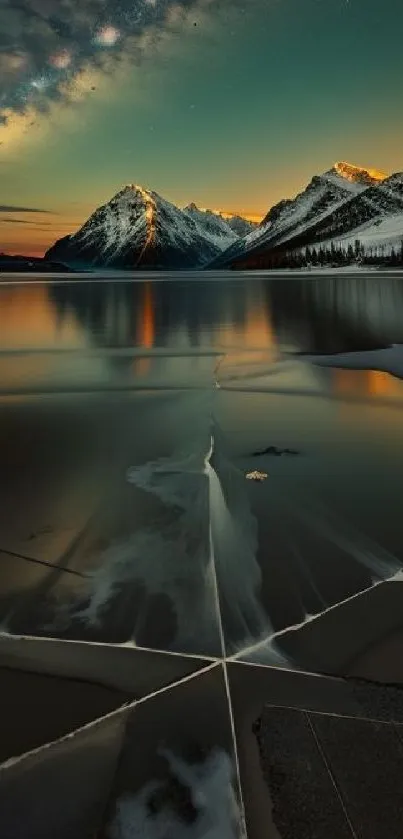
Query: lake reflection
(106, 335)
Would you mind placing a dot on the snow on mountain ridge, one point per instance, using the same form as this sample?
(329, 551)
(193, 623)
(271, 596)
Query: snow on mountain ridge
(129, 214)
(139, 226)
(332, 205)
(324, 194)
(213, 222)
(386, 233)
(239, 225)
(369, 208)
(354, 178)
(359, 174)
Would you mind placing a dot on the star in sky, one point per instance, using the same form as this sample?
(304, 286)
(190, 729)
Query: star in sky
(108, 36)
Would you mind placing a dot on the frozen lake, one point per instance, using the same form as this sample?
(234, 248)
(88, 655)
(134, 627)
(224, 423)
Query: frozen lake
(111, 393)
(135, 554)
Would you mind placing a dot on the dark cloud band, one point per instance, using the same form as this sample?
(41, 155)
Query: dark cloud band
(9, 208)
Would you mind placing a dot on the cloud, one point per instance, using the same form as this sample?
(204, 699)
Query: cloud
(6, 220)
(9, 208)
(46, 44)
(41, 225)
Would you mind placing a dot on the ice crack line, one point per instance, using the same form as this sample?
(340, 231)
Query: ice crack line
(311, 618)
(209, 472)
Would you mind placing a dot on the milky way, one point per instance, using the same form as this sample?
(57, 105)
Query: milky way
(44, 44)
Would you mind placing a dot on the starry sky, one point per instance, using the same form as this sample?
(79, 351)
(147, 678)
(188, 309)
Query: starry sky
(233, 104)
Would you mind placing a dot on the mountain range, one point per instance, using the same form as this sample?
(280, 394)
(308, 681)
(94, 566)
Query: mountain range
(344, 205)
(140, 229)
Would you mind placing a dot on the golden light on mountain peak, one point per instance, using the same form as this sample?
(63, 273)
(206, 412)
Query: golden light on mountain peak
(255, 217)
(227, 214)
(150, 214)
(350, 171)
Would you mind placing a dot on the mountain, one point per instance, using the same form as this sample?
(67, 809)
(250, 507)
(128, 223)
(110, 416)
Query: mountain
(324, 194)
(140, 229)
(374, 217)
(333, 203)
(371, 206)
(210, 221)
(221, 221)
(357, 174)
(240, 225)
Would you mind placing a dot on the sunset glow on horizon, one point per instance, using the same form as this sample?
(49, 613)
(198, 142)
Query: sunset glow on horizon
(27, 237)
(179, 97)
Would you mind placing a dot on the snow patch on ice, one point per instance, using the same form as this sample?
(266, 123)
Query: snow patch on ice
(210, 784)
(388, 360)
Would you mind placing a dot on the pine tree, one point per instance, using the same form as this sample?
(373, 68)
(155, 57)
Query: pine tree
(393, 257)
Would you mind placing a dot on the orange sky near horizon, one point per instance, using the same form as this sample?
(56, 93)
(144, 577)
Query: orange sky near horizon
(31, 234)
(232, 106)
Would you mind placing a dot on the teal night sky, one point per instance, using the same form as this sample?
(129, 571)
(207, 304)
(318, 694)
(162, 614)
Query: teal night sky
(233, 113)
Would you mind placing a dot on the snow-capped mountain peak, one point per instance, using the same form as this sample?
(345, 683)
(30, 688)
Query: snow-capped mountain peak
(357, 174)
(213, 221)
(133, 193)
(342, 197)
(239, 225)
(353, 179)
(344, 205)
(146, 201)
(323, 194)
(138, 228)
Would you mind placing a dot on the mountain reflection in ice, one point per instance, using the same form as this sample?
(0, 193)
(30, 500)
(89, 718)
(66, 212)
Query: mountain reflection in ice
(214, 811)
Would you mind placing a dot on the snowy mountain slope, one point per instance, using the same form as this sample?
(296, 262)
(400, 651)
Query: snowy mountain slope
(386, 360)
(356, 176)
(213, 223)
(326, 195)
(384, 233)
(374, 217)
(139, 228)
(241, 226)
(368, 209)
(215, 220)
